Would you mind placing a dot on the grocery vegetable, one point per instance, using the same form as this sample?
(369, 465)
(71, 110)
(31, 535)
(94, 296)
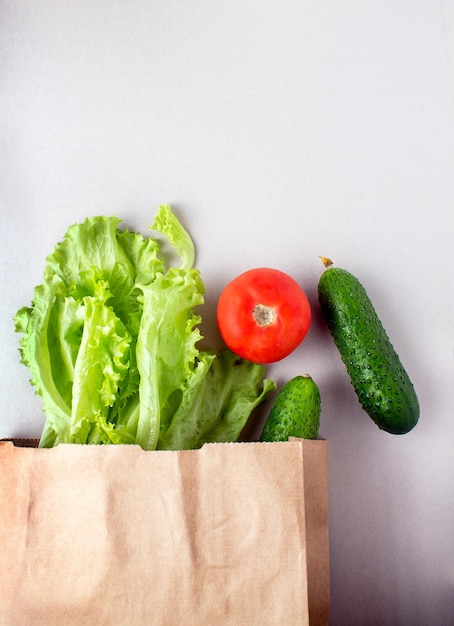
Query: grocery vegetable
(383, 386)
(295, 412)
(263, 315)
(110, 340)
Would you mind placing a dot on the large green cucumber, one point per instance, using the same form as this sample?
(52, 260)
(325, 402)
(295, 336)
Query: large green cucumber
(384, 388)
(295, 411)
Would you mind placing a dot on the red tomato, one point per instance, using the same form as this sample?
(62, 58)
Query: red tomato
(263, 315)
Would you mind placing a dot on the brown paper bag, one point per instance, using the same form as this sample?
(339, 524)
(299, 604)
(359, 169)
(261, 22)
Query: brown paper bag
(233, 534)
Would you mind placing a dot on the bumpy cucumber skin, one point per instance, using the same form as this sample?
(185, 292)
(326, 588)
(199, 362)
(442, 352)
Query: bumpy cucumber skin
(295, 411)
(382, 385)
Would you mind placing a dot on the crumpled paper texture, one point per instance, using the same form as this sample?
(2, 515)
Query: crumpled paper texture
(113, 535)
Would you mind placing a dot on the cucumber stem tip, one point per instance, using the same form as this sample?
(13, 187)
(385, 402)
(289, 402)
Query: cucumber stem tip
(326, 262)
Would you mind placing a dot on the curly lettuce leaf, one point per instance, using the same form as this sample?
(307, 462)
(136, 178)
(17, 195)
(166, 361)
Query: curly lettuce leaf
(166, 223)
(166, 348)
(216, 406)
(38, 355)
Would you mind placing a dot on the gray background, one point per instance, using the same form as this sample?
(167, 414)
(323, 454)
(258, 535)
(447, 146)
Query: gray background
(278, 131)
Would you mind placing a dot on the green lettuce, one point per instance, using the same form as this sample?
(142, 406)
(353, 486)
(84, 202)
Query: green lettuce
(111, 341)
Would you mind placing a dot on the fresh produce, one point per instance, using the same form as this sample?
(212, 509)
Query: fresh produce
(383, 386)
(295, 412)
(263, 315)
(110, 340)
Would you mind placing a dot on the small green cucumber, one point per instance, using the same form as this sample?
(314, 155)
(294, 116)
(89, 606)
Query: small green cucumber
(382, 385)
(295, 411)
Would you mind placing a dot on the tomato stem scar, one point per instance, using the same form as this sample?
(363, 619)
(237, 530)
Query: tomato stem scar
(263, 315)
